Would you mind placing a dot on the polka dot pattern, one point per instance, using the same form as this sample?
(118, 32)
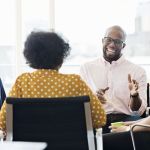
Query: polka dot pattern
(49, 83)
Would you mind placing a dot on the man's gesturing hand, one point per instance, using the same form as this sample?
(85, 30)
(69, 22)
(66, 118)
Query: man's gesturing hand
(101, 95)
(133, 86)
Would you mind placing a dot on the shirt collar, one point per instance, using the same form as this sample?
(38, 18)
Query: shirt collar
(45, 72)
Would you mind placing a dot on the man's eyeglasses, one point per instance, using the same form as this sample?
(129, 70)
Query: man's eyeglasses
(117, 42)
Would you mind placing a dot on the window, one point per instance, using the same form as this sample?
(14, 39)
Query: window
(82, 22)
(7, 42)
(35, 16)
(20, 18)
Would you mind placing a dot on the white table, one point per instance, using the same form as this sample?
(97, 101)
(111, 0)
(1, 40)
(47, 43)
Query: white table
(8, 145)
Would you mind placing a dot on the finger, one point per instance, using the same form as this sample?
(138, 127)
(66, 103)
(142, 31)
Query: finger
(101, 98)
(129, 78)
(136, 85)
(103, 101)
(100, 93)
(112, 127)
(107, 88)
(134, 81)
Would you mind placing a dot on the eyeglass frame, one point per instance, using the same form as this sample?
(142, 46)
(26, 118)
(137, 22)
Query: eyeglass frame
(121, 44)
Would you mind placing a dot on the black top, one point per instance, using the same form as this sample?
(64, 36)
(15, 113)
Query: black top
(2, 93)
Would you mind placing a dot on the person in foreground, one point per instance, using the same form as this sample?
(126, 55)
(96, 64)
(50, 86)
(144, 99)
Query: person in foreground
(126, 126)
(45, 52)
(122, 136)
(119, 84)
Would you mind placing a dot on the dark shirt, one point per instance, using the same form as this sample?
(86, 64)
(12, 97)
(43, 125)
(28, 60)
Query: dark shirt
(2, 93)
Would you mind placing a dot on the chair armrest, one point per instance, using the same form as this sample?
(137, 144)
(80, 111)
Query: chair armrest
(99, 139)
(147, 111)
(132, 135)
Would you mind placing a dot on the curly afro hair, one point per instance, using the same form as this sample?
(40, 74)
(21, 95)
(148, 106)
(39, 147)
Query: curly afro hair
(45, 50)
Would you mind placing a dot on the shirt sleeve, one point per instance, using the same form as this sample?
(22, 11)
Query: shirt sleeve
(98, 113)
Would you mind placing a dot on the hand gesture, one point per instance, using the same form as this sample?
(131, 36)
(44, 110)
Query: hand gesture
(133, 86)
(101, 95)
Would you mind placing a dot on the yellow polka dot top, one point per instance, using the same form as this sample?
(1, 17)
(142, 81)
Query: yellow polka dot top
(46, 83)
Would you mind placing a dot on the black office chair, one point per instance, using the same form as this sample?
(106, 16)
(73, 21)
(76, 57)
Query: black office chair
(64, 123)
(147, 111)
(148, 100)
(140, 139)
(128, 140)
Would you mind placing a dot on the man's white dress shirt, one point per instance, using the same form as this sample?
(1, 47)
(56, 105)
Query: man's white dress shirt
(99, 74)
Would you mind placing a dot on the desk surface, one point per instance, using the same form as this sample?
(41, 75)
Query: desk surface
(7, 145)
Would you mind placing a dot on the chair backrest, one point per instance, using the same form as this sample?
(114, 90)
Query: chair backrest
(64, 123)
(148, 95)
(140, 139)
(147, 111)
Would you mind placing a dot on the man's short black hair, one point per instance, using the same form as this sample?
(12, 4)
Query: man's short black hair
(45, 50)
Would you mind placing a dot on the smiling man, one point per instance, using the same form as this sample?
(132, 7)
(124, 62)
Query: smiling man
(119, 84)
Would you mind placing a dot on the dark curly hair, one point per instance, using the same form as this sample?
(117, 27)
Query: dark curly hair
(45, 50)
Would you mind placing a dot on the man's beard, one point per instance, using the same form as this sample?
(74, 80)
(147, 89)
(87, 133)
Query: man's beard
(111, 56)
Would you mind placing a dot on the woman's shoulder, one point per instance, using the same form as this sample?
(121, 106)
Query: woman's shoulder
(24, 76)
